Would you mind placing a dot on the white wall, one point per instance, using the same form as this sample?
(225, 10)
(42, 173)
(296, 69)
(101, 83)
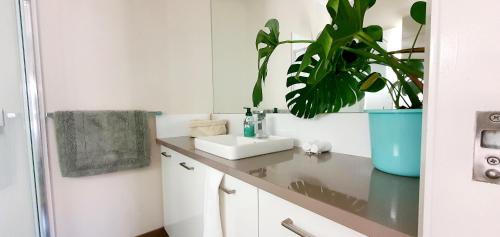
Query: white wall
(235, 25)
(462, 79)
(188, 85)
(140, 54)
(119, 54)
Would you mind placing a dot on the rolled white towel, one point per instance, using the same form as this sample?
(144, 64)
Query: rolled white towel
(314, 149)
(212, 225)
(320, 146)
(306, 147)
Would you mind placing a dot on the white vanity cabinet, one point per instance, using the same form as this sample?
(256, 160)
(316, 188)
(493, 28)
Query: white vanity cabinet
(239, 208)
(246, 211)
(183, 193)
(278, 217)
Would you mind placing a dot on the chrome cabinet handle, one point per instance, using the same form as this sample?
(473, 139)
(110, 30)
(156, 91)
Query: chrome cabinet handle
(166, 155)
(227, 191)
(288, 223)
(183, 164)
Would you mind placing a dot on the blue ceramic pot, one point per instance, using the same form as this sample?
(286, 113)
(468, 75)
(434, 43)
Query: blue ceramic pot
(396, 140)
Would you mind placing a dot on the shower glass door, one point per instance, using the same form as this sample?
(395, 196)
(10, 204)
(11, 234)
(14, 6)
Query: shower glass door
(18, 202)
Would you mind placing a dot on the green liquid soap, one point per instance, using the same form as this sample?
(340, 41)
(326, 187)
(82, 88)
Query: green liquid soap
(248, 124)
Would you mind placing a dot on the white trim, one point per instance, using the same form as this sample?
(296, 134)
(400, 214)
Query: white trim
(27, 123)
(430, 95)
(33, 74)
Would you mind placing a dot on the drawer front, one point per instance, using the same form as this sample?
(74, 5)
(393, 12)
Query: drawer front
(278, 217)
(183, 192)
(239, 208)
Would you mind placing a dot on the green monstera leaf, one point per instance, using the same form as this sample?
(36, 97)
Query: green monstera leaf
(266, 43)
(309, 96)
(417, 12)
(372, 83)
(331, 82)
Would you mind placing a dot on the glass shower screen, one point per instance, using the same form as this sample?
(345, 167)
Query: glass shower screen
(18, 202)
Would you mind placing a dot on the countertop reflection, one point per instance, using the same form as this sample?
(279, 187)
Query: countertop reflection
(344, 188)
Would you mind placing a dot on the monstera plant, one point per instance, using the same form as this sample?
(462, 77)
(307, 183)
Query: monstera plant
(335, 70)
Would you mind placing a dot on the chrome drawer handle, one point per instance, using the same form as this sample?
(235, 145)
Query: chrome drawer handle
(227, 191)
(288, 223)
(166, 155)
(183, 164)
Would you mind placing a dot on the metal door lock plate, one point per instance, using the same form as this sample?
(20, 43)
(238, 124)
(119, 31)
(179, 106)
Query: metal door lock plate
(492, 174)
(492, 160)
(487, 148)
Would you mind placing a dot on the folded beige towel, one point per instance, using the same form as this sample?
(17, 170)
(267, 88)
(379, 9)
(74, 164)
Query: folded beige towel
(203, 128)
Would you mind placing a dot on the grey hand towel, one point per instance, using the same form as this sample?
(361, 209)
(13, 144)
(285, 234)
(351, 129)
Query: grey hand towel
(98, 142)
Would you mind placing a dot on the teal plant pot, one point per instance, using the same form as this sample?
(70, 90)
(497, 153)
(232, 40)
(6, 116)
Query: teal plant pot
(396, 140)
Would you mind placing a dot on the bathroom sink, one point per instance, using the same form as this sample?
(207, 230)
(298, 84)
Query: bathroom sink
(236, 147)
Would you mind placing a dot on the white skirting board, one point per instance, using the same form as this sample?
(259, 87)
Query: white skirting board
(347, 132)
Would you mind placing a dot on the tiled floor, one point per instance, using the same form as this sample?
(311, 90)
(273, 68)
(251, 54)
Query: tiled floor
(156, 233)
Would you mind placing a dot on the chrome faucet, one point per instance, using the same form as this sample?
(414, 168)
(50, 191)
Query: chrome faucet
(260, 125)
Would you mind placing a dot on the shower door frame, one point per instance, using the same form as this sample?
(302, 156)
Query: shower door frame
(32, 80)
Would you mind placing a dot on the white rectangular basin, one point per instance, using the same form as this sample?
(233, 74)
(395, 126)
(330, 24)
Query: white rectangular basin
(236, 147)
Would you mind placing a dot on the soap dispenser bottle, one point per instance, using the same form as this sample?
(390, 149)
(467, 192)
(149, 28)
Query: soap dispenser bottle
(248, 124)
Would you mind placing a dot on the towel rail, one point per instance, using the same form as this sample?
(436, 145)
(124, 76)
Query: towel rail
(157, 113)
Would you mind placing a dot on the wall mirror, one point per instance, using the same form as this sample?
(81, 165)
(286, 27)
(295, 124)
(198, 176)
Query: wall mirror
(235, 24)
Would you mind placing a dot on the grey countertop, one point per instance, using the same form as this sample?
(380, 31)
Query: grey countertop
(343, 188)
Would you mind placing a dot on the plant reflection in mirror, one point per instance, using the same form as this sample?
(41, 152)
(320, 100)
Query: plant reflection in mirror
(335, 71)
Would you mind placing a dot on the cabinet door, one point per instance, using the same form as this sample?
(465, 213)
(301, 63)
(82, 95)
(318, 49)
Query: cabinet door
(278, 217)
(239, 208)
(183, 187)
